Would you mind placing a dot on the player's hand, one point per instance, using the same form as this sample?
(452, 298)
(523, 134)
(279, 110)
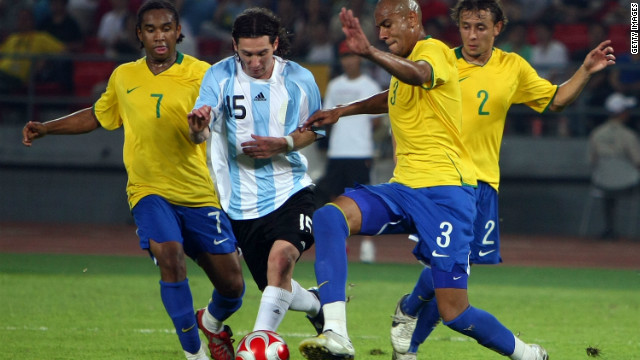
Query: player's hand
(321, 118)
(199, 119)
(599, 58)
(356, 39)
(31, 131)
(264, 147)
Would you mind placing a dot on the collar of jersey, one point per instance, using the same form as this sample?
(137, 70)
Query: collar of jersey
(458, 52)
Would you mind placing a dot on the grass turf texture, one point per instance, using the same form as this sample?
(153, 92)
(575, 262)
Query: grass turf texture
(99, 307)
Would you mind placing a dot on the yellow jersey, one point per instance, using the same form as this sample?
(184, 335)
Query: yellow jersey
(31, 43)
(488, 91)
(426, 123)
(158, 154)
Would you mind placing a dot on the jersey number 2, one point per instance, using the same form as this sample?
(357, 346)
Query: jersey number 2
(485, 96)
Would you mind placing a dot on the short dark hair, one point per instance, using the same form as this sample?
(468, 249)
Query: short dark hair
(257, 22)
(157, 5)
(493, 6)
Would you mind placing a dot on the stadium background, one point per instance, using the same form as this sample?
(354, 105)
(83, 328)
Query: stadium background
(72, 188)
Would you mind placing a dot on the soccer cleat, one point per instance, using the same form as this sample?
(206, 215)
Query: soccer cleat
(540, 352)
(318, 320)
(220, 344)
(406, 356)
(327, 346)
(402, 328)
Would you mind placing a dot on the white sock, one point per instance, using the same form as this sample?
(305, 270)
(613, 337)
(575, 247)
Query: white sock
(273, 306)
(200, 355)
(335, 318)
(522, 351)
(304, 300)
(211, 323)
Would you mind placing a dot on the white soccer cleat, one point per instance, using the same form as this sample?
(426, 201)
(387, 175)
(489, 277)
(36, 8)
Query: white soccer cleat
(327, 346)
(540, 352)
(402, 328)
(407, 356)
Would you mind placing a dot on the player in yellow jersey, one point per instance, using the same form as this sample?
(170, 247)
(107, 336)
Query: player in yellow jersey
(432, 190)
(170, 191)
(491, 81)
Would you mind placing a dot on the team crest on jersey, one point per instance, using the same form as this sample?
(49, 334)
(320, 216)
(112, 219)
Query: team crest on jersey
(260, 97)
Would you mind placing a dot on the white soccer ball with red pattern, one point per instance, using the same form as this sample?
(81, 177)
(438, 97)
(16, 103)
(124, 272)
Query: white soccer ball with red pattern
(262, 345)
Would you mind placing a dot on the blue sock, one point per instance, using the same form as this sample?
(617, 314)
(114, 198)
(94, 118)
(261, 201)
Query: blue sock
(486, 329)
(330, 230)
(221, 307)
(178, 302)
(428, 319)
(421, 294)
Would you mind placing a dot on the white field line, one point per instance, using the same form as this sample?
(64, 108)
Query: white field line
(239, 333)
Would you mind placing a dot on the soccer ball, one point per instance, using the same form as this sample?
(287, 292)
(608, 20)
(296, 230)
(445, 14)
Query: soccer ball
(262, 345)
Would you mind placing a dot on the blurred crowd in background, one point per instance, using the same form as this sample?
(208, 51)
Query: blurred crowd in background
(90, 37)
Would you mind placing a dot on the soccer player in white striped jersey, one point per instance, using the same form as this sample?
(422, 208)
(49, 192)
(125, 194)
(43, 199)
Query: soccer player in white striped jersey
(491, 80)
(251, 104)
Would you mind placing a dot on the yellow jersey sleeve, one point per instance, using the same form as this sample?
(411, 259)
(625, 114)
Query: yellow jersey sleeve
(426, 122)
(159, 156)
(533, 91)
(488, 92)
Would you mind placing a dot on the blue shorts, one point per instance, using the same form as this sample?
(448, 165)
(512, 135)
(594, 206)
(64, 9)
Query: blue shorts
(485, 248)
(442, 216)
(199, 229)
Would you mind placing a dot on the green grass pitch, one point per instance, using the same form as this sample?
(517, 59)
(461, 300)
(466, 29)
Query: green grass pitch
(100, 307)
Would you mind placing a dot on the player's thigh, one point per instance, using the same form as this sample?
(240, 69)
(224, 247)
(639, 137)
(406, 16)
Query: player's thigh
(443, 217)
(485, 247)
(209, 240)
(291, 222)
(156, 219)
(208, 230)
(373, 211)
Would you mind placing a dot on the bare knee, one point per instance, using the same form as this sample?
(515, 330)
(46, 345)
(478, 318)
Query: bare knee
(352, 213)
(235, 286)
(451, 302)
(282, 261)
(171, 260)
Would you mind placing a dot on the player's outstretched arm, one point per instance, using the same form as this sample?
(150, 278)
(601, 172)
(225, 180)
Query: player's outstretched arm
(375, 104)
(597, 59)
(80, 122)
(199, 120)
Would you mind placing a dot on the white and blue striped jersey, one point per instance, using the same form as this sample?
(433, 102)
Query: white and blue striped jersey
(241, 106)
